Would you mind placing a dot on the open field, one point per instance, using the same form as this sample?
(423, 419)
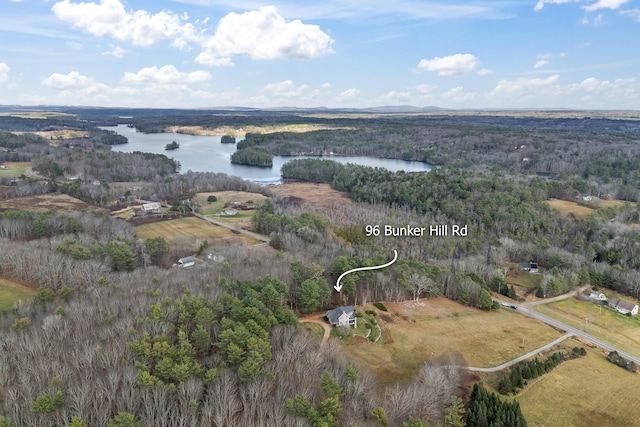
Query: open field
(439, 325)
(11, 291)
(14, 169)
(316, 195)
(44, 202)
(192, 229)
(585, 392)
(573, 208)
(601, 322)
(214, 209)
(523, 278)
(580, 211)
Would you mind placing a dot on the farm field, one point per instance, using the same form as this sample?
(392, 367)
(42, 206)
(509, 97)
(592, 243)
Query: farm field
(484, 339)
(585, 392)
(44, 202)
(14, 169)
(214, 209)
(581, 211)
(608, 325)
(11, 291)
(316, 195)
(193, 230)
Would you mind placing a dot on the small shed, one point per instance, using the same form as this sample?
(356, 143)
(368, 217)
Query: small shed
(187, 262)
(342, 316)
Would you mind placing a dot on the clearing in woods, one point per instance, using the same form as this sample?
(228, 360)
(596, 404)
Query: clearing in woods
(485, 339)
(11, 291)
(585, 392)
(316, 195)
(193, 229)
(580, 211)
(241, 201)
(45, 202)
(14, 169)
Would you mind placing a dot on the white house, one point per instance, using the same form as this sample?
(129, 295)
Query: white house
(598, 296)
(624, 307)
(342, 316)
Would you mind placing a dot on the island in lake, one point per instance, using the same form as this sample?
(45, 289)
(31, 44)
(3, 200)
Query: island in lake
(172, 145)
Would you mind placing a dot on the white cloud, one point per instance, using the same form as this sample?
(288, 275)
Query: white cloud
(116, 51)
(4, 72)
(348, 94)
(541, 3)
(634, 13)
(485, 72)
(450, 65)
(523, 86)
(263, 34)
(424, 88)
(457, 95)
(73, 80)
(285, 89)
(605, 4)
(165, 75)
(109, 18)
(541, 63)
(75, 46)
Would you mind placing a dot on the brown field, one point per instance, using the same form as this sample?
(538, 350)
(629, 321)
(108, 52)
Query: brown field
(44, 202)
(193, 230)
(608, 325)
(580, 211)
(573, 208)
(585, 392)
(484, 339)
(11, 291)
(316, 195)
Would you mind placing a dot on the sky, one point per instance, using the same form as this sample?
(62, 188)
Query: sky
(457, 54)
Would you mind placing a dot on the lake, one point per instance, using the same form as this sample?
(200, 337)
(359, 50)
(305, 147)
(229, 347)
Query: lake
(208, 154)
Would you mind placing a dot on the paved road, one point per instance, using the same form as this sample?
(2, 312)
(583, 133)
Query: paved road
(523, 357)
(528, 309)
(235, 229)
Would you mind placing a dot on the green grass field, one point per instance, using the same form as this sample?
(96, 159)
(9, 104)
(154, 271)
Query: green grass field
(584, 392)
(608, 325)
(14, 169)
(10, 292)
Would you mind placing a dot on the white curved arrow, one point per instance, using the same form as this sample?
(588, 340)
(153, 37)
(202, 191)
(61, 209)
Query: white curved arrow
(338, 286)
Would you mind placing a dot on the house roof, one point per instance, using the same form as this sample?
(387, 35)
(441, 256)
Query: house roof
(625, 305)
(334, 315)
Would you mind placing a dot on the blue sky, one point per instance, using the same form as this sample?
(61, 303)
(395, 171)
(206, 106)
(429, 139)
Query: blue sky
(581, 54)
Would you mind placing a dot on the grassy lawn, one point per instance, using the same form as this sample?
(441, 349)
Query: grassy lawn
(583, 392)
(413, 332)
(608, 325)
(10, 292)
(215, 209)
(524, 279)
(14, 169)
(567, 207)
(193, 229)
